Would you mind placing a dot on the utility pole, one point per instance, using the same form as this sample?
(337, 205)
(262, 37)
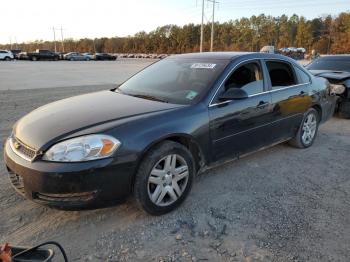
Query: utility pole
(212, 25)
(62, 39)
(202, 29)
(54, 38)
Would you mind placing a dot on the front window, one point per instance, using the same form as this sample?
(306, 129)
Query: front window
(247, 77)
(330, 64)
(178, 81)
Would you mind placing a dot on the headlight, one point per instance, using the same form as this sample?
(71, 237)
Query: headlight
(83, 148)
(337, 89)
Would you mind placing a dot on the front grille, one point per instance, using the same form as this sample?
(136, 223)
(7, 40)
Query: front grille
(68, 197)
(16, 181)
(22, 149)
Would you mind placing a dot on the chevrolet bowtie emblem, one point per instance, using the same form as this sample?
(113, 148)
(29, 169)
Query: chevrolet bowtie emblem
(16, 145)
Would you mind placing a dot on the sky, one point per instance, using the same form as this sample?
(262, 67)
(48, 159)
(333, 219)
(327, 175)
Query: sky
(29, 20)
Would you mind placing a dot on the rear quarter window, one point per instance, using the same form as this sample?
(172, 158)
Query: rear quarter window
(303, 77)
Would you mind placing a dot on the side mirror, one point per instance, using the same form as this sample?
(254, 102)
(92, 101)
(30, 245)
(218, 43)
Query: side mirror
(233, 94)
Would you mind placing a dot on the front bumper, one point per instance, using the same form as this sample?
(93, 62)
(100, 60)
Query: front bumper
(70, 185)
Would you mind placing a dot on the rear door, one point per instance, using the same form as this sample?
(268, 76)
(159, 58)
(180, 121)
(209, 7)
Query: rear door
(290, 97)
(241, 126)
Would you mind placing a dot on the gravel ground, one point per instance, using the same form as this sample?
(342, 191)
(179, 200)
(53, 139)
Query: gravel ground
(281, 204)
(17, 75)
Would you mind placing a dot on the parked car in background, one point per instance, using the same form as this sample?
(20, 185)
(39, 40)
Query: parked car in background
(42, 54)
(90, 56)
(15, 52)
(75, 56)
(104, 56)
(268, 49)
(6, 55)
(335, 68)
(60, 55)
(152, 134)
(22, 56)
(162, 56)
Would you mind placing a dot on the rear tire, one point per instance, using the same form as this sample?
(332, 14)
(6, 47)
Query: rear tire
(7, 58)
(164, 178)
(307, 131)
(34, 58)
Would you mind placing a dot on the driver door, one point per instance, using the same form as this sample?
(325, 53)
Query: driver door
(241, 126)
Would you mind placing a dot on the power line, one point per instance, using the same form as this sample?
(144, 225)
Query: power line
(212, 25)
(202, 29)
(62, 39)
(54, 38)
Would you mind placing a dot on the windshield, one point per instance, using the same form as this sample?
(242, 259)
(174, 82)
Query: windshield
(329, 64)
(177, 81)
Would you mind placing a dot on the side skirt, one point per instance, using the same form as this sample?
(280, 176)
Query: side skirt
(228, 160)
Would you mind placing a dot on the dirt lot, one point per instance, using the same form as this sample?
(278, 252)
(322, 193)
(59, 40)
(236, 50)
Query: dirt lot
(43, 74)
(281, 204)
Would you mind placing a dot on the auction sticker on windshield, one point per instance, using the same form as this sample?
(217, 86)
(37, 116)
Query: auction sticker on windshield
(203, 66)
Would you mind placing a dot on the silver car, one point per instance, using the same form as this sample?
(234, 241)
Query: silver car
(89, 56)
(75, 56)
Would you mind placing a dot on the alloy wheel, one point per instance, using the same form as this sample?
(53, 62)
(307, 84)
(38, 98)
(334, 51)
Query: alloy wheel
(168, 180)
(309, 129)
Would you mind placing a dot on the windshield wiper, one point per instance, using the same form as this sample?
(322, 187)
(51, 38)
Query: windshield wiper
(148, 97)
(144, 96)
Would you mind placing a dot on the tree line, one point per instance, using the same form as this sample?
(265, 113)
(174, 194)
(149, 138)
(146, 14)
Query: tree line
(324, 34)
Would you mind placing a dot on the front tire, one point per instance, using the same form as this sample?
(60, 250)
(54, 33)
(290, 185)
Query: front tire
(164, 178)
(307, 132)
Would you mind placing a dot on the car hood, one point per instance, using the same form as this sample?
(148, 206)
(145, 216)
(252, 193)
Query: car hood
(335, 75)
(59, 119)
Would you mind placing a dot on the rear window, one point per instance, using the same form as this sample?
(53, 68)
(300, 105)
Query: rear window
(330, 64)
(281, 74)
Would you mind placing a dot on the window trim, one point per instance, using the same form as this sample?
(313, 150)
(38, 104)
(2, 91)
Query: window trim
(296, 77)
(211, 104)
(265, 74)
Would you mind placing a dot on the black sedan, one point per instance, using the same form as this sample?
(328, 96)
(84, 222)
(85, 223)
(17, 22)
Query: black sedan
(104, 56)
(335, 68)
(156, 131)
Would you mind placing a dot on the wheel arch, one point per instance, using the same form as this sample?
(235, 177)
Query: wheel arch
(318, 108)
(184, 139)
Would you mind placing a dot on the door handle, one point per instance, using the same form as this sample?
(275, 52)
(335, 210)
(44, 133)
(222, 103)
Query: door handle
(302, 93)
(262, 104)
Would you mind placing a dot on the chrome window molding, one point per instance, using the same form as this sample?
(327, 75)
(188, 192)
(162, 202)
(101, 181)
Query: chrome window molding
(223, 81)
(261, 93)
(257, 94)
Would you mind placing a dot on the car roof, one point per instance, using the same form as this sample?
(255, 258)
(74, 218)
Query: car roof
(229, 56)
